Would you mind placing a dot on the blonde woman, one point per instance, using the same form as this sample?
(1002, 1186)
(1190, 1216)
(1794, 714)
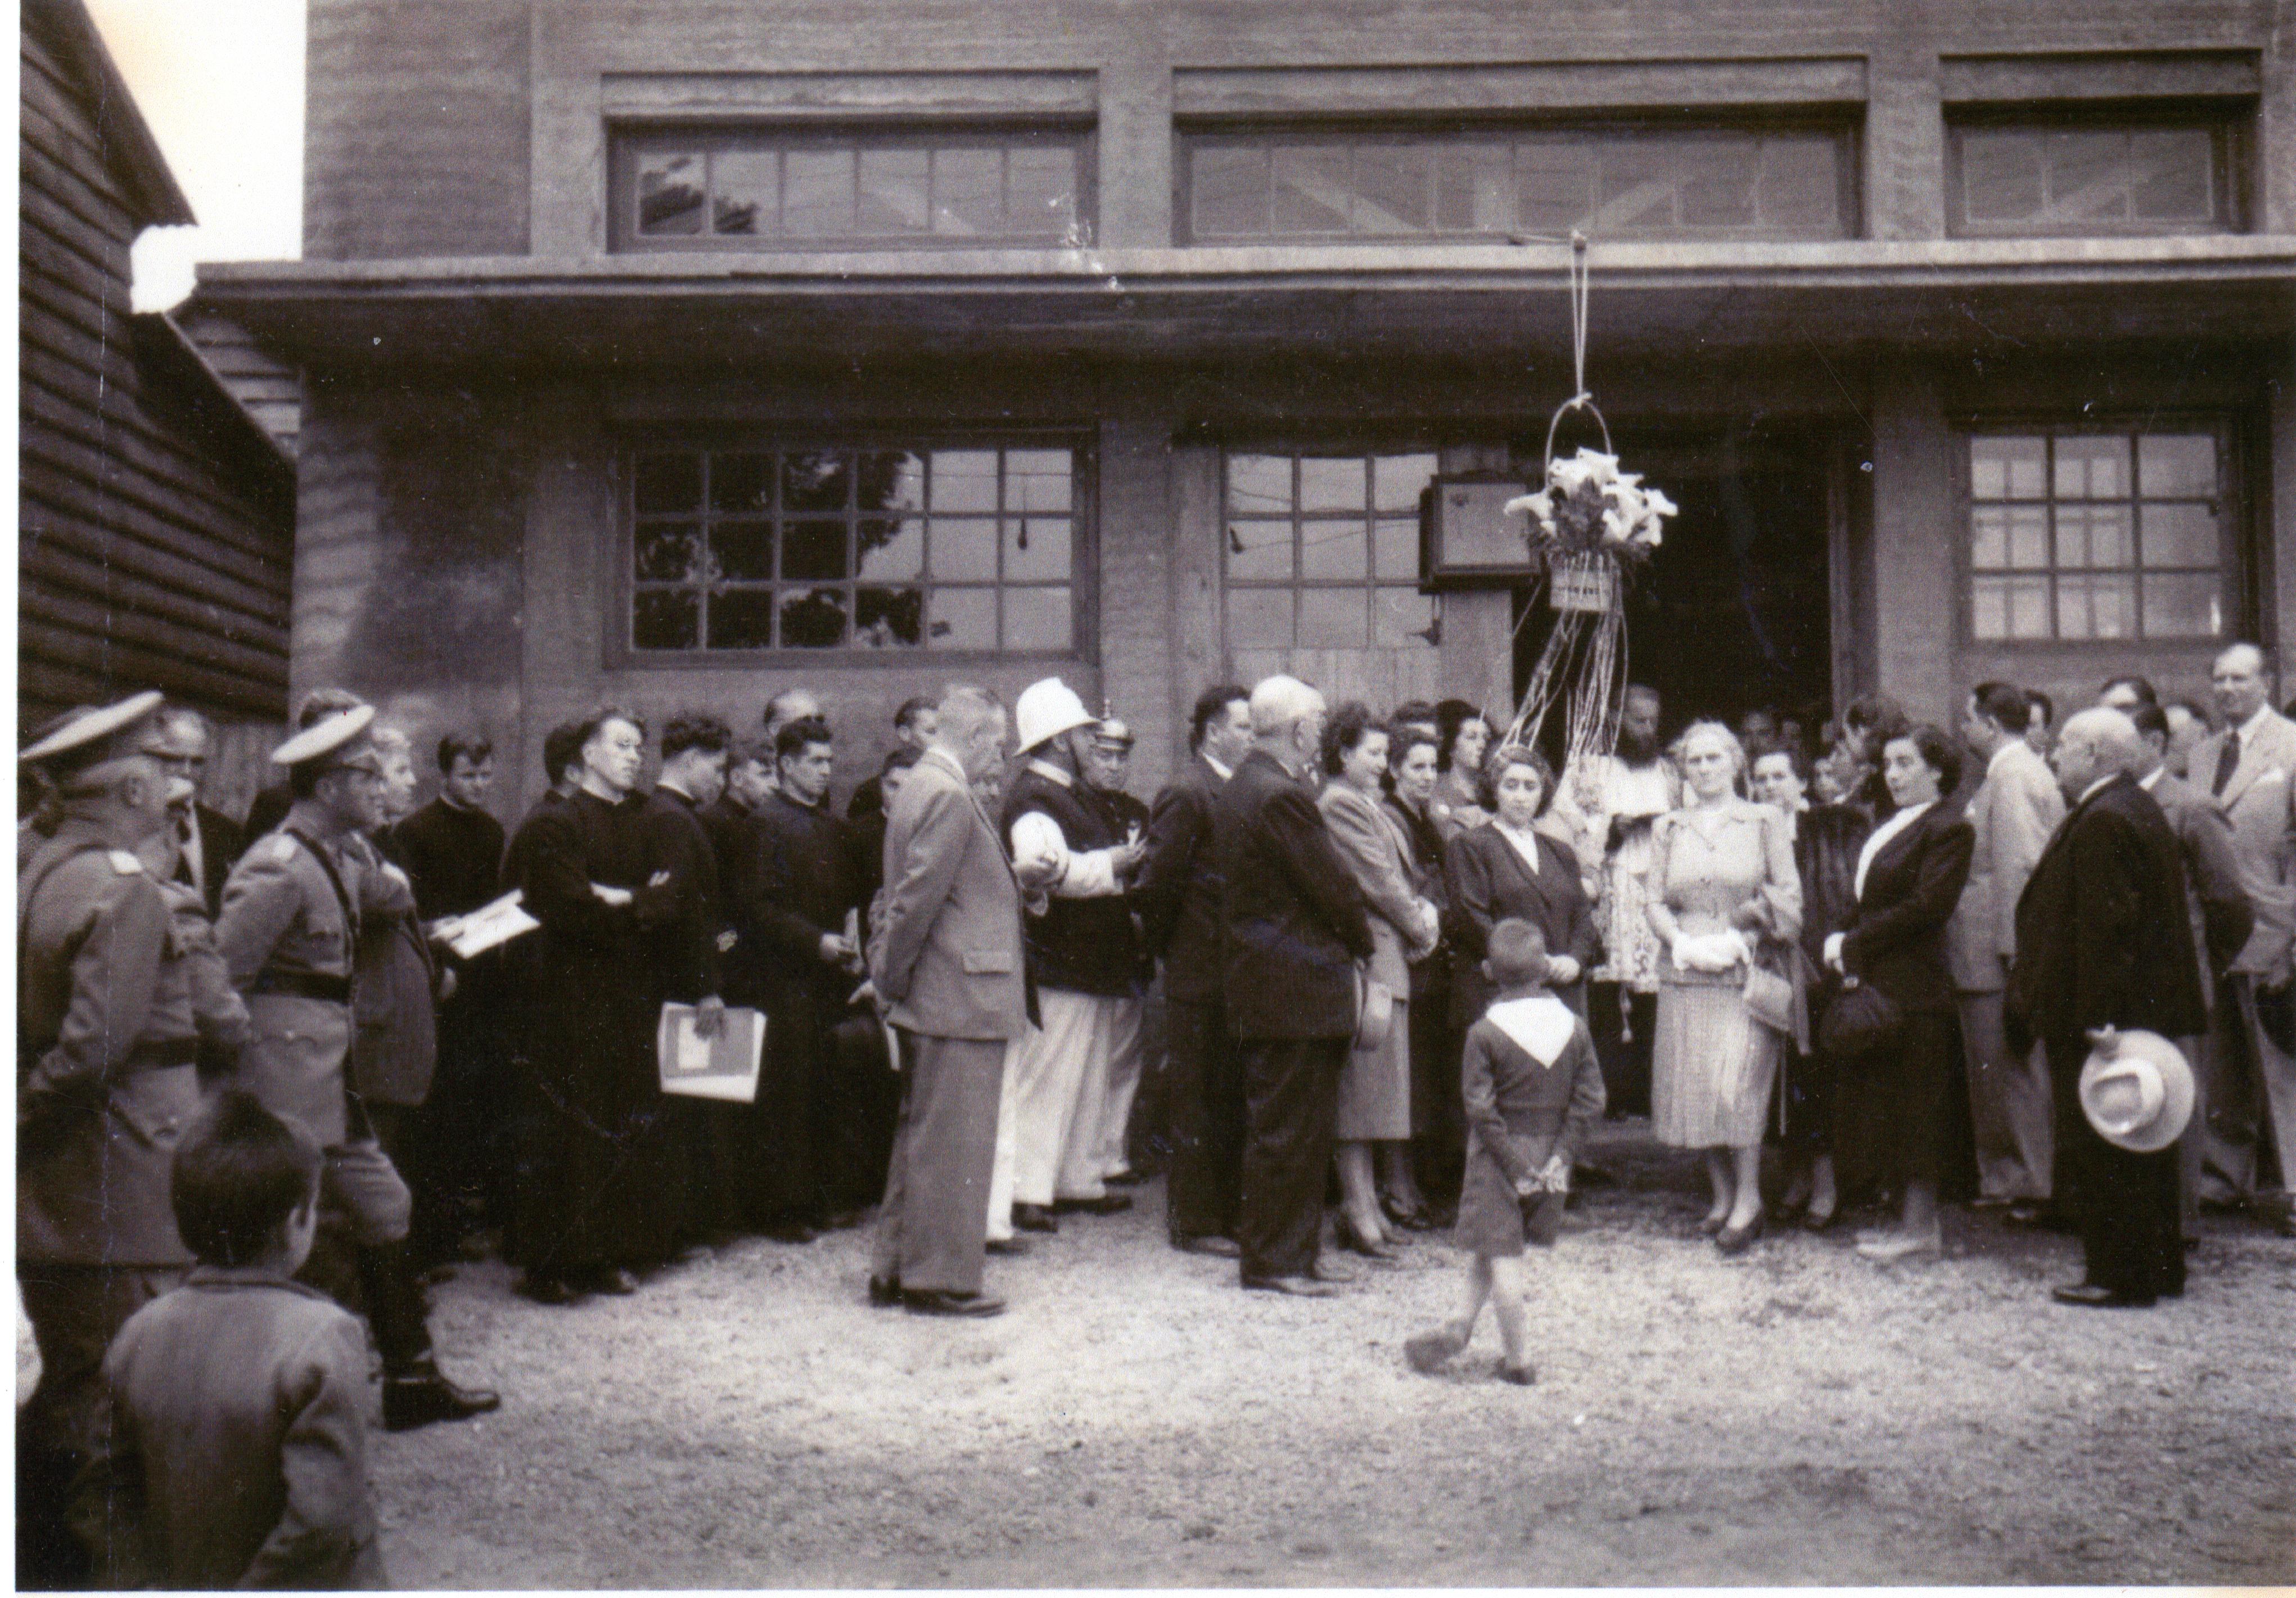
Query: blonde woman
(1722, 880)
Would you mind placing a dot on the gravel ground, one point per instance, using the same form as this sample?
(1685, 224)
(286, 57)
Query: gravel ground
(1795, 1415)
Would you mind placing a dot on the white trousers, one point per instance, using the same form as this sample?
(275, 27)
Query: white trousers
(1123, 1061)
(1059, 1085)
(1008, 1139)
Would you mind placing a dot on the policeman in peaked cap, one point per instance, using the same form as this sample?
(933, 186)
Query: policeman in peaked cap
(289, 931)
(116, 997)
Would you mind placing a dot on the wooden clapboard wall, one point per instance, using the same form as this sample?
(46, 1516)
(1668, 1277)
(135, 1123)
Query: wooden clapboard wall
(156, 517)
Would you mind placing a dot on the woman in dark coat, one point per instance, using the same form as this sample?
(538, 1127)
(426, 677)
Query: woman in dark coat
(1909, 876)
(1438, 1131)
(1491, 877)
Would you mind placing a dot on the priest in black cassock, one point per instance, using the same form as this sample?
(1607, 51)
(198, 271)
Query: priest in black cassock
(599, 1192)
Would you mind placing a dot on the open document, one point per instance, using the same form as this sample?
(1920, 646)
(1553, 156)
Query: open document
(724, 1067)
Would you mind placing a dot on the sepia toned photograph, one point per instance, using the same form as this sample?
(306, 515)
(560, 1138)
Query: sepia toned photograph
(978, 795)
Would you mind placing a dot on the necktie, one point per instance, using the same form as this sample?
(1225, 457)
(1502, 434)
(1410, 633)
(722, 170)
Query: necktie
(183, 855)
(2227, 762)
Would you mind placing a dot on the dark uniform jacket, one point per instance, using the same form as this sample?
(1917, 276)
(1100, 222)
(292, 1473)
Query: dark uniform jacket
(1077, 945)
(453, 856)
(1179, 890)
(1292, 923)
(119, 985)
(1896, 941)
(2102, 936)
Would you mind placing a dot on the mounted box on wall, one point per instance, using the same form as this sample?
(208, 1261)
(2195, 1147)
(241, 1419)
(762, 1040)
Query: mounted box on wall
(1466, 538)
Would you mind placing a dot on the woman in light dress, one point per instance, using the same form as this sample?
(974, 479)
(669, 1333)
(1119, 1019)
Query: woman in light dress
(1722, 879)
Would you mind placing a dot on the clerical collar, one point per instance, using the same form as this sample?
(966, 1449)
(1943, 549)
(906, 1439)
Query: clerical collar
(1225, 771)
(2151, 777)
(447, 799)
(669, 784)
(1050, 772)
(2091, 791)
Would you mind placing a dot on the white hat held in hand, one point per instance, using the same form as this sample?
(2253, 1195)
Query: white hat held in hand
(2136, 1091)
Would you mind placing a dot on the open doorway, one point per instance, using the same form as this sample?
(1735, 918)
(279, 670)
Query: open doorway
(1735, 609)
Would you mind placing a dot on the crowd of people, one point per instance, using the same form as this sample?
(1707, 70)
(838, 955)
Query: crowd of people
(1385, 971)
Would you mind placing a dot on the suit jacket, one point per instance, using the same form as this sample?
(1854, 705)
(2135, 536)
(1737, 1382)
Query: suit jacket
(1488, 884)
(947, 959)
(1373, 851)
(1895, 940)
(1180, 888)
(2261, 803)
(1292, 923)
(221, 843)
(2222, 917)
(2014, 809)
(2101, 933)
(236, 1455)
(395, 1036)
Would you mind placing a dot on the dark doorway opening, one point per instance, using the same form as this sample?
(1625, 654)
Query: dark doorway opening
(1735, 609)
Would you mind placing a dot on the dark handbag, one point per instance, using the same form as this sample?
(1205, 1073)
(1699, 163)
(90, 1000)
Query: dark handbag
(1861, 1019)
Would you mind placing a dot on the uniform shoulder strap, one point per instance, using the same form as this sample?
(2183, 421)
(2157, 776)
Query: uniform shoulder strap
(318, 851)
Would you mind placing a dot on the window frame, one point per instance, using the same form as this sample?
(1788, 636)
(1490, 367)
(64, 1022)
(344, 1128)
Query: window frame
(2235, 578)
(1843, 124)
(621, 585)
(2228, 124)
(626, 139)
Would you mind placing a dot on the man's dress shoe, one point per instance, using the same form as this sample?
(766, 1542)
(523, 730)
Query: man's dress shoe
(2091, 1295)
(1033, 1217)
(418, 1397)
(1218, 1248)
(1107, 1203)
(619, 1282)
(1296, 1287)
(1007, 1247)
(937, 1301)
(884, 1292)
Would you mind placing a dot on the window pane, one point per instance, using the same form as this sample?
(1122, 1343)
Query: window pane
(2092, 468)
(964, 480)
(963, 550)
(669, 193)
(1397, 481)
(664, 619)
(817, 194)
(1392, 184)
(2177, 466)
(888, 480)
(740, 483)
(888, 618)
(1259, 550)
(2087, 174)
(1227, 190)
(963, 618)
(814, 551)
(1036, 550)
(1801, 184)
(1038, 619)
(2000, 176)
(742, 619)
(1037, 480)
(2010, 608)
(741, 552)
(1400, 617)
(1334, 549)
(890, 548)
(1717, 178)
(814, 620)
(1311, 192)
(813, 480)
(2014, 536)
(1474, 188)
(2181, 535)
(669, 483)
(2187, 606)
(666, 552)
(1259, 618)
(1637, 186)
(2172, 175)
(968, 191)
(2093, 535)
(1327, 484)
(746, 197)
(2008, 468)
(1333, 619)
(1554, 184)
(1395, 550)
(2096, 607)
(894, 192)
(1259, 482)
(1040, 189)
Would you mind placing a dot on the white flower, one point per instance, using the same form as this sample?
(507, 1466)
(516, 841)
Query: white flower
(1616, 527)
(1540, 506)
(1659, 504)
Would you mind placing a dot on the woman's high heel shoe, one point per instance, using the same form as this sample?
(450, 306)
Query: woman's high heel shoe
(1355, 1242)
(1737, 1240)
(1713, 1225)
(1411, 1217)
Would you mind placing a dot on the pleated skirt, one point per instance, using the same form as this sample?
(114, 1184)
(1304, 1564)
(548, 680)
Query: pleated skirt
(1712, 1065)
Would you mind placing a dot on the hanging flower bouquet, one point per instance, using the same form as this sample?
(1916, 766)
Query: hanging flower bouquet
(1591, 507)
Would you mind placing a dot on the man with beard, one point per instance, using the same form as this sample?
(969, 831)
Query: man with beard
(801, 897)
(1608, 803)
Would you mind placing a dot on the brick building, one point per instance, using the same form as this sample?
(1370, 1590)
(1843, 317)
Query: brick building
(680, 353)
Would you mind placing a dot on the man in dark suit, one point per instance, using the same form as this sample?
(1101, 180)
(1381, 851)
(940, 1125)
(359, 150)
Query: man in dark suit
(1292, 927)
(913, 729)
(207, 843)
(1179, 897)
(2103, 941)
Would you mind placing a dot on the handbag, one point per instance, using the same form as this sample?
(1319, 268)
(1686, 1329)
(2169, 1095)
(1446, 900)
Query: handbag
(1862, 1018)
(1375, 1010)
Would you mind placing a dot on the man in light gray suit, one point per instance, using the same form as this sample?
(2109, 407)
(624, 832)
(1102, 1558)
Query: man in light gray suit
(948, 967)
(2016, 807)
(2250, 771)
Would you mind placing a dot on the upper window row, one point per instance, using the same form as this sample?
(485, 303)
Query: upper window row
(790, 189)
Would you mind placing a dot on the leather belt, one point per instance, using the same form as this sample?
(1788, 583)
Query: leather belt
(305, 984)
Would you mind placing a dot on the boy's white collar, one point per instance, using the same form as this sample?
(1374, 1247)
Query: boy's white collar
(1541, 1024)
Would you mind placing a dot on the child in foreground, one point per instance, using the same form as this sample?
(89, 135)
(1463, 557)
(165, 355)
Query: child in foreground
(1532, 1089)
(235, 1453)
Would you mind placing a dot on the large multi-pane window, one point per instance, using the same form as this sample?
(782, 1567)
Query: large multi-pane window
(1607, 182)
(2089, 534)
(970, 547)
(1322, 551)
(2031, 177)
(798, 189)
